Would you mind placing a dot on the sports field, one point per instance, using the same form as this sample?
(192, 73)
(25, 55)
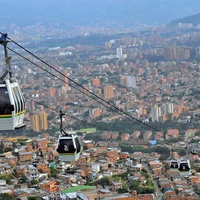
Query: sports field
(78, 188)
(87, 130)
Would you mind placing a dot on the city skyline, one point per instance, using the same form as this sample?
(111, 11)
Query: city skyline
(128, 96)
(113, 13)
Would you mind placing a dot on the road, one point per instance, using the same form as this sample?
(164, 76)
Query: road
(158, 193)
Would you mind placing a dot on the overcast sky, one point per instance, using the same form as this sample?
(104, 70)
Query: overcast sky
(87, 12)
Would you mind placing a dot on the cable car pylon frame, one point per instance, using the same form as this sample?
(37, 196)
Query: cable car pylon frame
(61, 124)
(3, 42)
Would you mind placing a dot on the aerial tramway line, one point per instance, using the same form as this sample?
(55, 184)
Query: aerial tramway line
(69, 147)
(12, 110)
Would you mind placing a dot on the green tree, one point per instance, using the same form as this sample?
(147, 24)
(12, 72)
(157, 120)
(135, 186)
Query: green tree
(6, 177)
(103, 182)
(54, 171)
(33, 182)
(122, 190)
(173, 140)
(149, 183)
(123, 176)
(133, 185)
(33, 198)
(182, 152)
(5, 196)
(23, 179)
(146, 174)
(148, 190)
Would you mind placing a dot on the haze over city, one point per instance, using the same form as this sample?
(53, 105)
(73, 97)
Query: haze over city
(93, 13)
(101, 99)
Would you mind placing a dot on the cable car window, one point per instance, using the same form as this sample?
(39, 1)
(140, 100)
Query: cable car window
(5, 106)
(174, 165)
(23, 100)
(184, 167)
(19, 98)
(16, 100)
(66, 146)
(78, 146)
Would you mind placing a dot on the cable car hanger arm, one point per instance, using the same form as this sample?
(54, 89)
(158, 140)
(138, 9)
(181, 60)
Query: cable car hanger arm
(3, 41)
(61, 124)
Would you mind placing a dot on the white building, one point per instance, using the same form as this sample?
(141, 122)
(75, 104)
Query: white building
(131, 81)
(33, 173)
(168, 108)
(155, 113)
(119, 52)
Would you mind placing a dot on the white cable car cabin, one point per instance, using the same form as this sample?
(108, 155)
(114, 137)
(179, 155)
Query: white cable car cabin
(12, 103)
(174, 165)
(184, 167)
(12, 106)
(69, 147)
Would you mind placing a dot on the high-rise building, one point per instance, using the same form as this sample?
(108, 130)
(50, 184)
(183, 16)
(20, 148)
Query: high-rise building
(108, 92)
(66, 82)
(155, 113)
(155, 72)
(147, 72)
(176, 53)
(43, 120)
(170, 53)
(119, 52)
(183, 53)
(128, 81)
(35, 123)
(123, 80)
(131, 82)
(168, 108)
(30, 105)
(39, 121)
(108, 44)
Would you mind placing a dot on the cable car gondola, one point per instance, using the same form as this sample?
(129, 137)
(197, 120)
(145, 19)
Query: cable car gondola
(184, 167)
(68, 147)
(174, 165)
(12, 103)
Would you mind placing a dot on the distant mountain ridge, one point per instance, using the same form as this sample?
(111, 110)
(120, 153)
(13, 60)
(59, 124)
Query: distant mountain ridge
(95, 12)
(194, 19)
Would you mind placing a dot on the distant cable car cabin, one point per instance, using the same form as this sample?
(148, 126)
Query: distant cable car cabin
(12, 103)
(68, 147)
(174, 165)
(180, 165)
(184, 167)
